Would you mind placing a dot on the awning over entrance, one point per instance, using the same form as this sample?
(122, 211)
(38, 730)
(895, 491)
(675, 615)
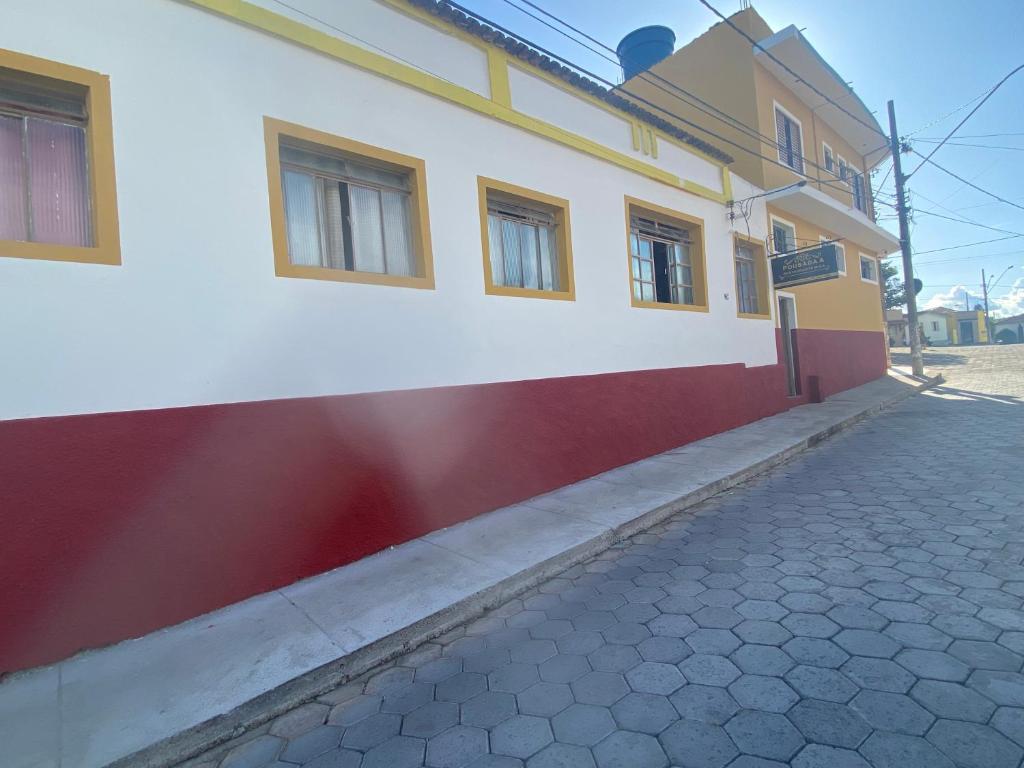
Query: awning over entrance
(844, 222)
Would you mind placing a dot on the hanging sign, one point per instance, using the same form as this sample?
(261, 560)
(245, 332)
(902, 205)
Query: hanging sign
(810, 265)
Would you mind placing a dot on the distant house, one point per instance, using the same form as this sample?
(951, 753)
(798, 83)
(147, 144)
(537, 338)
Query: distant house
(1008, 330)
(971, 327)
(938, 326)
(896, 327)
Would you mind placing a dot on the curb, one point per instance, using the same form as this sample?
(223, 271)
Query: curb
(248, 718)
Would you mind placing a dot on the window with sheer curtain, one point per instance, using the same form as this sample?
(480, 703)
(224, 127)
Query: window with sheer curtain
(522, 246)
(344, 214)
(747, 293)
(44, 172)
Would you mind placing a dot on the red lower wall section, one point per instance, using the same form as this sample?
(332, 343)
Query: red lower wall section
(117, 524)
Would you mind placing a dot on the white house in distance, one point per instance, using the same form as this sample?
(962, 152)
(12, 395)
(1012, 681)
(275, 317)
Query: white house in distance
(283, 287)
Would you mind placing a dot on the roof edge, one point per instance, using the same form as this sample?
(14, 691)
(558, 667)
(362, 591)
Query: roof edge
(525, 52)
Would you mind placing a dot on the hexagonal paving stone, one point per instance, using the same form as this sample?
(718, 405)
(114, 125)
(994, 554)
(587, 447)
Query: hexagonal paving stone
(829, 723)
(544, 699)
(259, 752)
(983, 655)
(697, 745)
(456, 747)
(396, 752)
(897, 750)
(430, 719)
(764, 734)
(711, 617)
(815, 652)
(371, 731)
(655, 677)
(878, 674)
(561, 756)
(354, 710)
(856, 617)
(769, 694)
(824, 756)
(763, 632)
(703, 669)
(670, 650)
(762, 660)
(521, 736)
(952, 700)
(864, 642)
(460, 687)
(971, 745)
(600, 688)
(644, 713)
(934, 665)
(1009, 721)
(405, 700)
(810, 625)
(821, 683)
(718, 642)
(563, 668)
(704, 703)
(892, 712)
(1004, 688)
(582, 724)
(625, 633)
(491, 659)
(513, 678)
(299, 720)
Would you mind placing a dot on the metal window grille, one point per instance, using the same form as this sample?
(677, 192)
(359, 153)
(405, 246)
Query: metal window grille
(830, 161)
(44, 174)
(783, 238)
(678, 270)
(523, 248)
(343, 214)
(788, 136)
(746, 280)
(867, 269)
(859, 200)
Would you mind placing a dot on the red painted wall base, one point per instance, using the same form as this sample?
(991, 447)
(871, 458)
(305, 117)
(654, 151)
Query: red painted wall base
(117, 524)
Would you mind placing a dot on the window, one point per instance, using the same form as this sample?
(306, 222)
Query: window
(935, 325)
(843, 169)
(859, 201)
(840, 252)
(783, 236)
(868, 269)
(341, 210)
(787, 129)
(57, 197)
(525, 242)
(751, 279)
(666, 258)
(830, 160)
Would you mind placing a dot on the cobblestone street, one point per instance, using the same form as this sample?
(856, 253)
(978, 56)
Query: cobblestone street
(857, 606)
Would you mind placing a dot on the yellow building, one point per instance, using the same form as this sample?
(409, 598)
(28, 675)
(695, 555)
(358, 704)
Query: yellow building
(813, 155)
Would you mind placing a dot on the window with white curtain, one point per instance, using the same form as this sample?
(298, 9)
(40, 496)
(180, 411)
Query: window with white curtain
(342, 213)
(522, 245)
(747, 293)
(661, 260)
(44, 173)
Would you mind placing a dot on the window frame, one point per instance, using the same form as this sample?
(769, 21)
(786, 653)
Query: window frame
(801, 171)
(772, 219)
(698, 261)
(761, 277)
(867, 257)
(827, 154)
(274, 131)
(557, 206)
(99, 142)
(840, 252)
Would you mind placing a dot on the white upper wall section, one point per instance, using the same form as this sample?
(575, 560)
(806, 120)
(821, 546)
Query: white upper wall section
(196, 315)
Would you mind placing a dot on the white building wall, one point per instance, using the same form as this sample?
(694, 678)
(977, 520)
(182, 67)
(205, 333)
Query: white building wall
(928, 321)
(196, 315)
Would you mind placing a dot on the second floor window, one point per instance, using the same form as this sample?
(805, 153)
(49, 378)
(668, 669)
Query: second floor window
(44, 174)
(783, 237)
(830, 159)
(857, 183)
(347, 215)
(789, 140)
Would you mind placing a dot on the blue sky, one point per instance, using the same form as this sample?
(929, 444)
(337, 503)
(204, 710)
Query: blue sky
(930, 57)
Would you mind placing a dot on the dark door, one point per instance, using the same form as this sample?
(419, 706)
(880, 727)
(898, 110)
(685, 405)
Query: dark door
(787, 323)
(966, 332)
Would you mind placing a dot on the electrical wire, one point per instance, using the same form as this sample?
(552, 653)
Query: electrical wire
(972, 223)
(797, 77)
(959, 178)
(967, 245)
(976, 146)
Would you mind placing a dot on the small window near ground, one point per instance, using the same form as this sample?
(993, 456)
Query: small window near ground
(868, 269)
(347, 211)
(751, 279)
(526, 244)
(57, 197)
(789, 140)
(666, 259)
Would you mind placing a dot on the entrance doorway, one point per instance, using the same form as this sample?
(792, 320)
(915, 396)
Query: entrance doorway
(787, 324)
(966, 332)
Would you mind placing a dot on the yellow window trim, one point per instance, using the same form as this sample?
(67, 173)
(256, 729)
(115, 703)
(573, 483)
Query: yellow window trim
(563, 240)
(698, 265)
(760, 275)
(100, 158)
(274, 130)
(313, 39)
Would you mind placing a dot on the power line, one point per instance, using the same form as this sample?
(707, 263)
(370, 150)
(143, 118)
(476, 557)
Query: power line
(977, 146)
(597, 78)
(967, 245)
(972, 223)
(799, 79)
(948, 115)
(974, 136)
(978, 106)
(963, 180)
(701, 104)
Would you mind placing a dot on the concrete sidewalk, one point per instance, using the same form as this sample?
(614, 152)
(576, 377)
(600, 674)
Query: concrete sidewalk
(176, 692)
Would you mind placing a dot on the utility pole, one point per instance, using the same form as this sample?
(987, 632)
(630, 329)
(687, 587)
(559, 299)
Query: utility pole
(984, 290)
(914, 331)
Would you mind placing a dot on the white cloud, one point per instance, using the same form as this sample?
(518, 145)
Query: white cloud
(1009, 304)
(953, 299)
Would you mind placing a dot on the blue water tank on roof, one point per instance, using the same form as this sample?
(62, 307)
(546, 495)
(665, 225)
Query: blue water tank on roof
(642, 48)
